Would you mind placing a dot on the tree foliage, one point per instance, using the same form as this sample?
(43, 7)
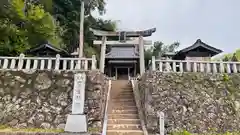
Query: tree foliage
(22, 29)
(28, 23)
(67, 12)
(230, 56)
(158, 49)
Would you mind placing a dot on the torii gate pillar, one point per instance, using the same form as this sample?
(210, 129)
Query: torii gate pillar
(103, 54)
(141, 54)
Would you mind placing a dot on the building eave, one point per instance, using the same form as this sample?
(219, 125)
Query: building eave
(58, 50)
(197, 44)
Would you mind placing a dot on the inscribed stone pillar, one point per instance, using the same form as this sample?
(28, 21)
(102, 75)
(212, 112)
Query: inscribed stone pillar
(79, 93)
(77, 121)
(141, 53)
(103, 54)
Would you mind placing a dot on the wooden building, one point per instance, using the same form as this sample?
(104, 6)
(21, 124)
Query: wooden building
(47, 50)
(122, 61)
(199, 51)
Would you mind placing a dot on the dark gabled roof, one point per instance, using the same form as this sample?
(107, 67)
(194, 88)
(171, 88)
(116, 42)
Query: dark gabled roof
(199, 43)
(123, 51)
(48, 46)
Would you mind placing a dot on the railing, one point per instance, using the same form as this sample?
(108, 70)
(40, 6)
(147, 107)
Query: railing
(132, 78)
(138, 103)
(195, 66)
(111, 78)
(104, 130)
(47, 63)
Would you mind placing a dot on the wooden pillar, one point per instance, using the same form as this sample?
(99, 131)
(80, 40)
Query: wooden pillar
(116, 73)
(141, 53)
(135, 70)
(110, 71)
(103, 54)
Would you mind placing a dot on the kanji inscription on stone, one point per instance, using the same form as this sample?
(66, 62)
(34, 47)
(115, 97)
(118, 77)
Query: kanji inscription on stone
(78, 93)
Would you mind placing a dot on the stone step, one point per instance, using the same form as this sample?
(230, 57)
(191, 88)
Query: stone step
(124, 111)
(129, 89)
(123, 99)
(123, 116)
(119, 103)
(124, 127)
(121, 88)
(125, 93)
(125, 132)
(124, 121)
(127, 107)
(123, 104)
(123, 96)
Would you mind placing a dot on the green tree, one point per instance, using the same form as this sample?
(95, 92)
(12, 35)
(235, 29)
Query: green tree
(25, 25)
(158, 49)
(67, 12)
(230, 57)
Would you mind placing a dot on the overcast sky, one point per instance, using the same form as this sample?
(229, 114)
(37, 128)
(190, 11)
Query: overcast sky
(215, 22)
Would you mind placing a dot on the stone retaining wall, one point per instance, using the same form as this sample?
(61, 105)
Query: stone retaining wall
(44, 99)
(197, 102)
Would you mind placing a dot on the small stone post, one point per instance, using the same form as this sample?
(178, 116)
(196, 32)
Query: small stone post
(160, 65)
(94, 62)
(181, 66)
(208, 67)
(228, 68)
(234, 65)
(57, 62)
(5, 64)
(153, 63)
(35, 64)
(201, 67)
(20, 62)
(222, 69)
(13, 64)
(188, 66)
(28, 64)
(215, 68)
(194, 67)
(161, 123)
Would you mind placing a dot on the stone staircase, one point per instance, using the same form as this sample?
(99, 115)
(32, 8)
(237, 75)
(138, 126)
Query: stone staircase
(122, 112)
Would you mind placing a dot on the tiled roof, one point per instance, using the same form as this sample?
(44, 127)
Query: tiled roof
(199, 43)
(122, 52)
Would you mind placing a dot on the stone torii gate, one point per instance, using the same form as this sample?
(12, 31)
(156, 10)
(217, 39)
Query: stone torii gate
(122, 41)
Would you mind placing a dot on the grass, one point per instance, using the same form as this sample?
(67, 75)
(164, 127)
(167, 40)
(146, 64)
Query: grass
(4, 128)
(94, 130)
(188, 133)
